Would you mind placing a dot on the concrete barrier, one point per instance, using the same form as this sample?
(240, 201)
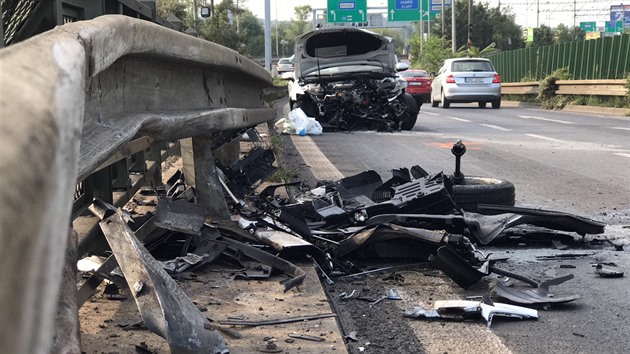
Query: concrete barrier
(69, 98)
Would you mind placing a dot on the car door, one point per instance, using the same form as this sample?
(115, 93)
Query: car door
(436, 85)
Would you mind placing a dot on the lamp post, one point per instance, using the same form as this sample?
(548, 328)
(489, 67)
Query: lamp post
(284, 42)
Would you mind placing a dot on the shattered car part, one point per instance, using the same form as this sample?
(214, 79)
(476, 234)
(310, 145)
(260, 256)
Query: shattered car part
(278, 321)
(464, 309)
(346, 79)
(307, 337)
(164, 307)
(382, 270)
(181, 264)
(607, 272)
(180, 216)
(539, 296)
(248, 172)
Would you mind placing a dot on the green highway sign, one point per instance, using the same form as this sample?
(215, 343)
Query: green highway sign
(347, 11)
(616, 26)
(588, 26)
(403, 10)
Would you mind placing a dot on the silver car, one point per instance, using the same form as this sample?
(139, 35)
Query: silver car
(285, 65)
(466, 80)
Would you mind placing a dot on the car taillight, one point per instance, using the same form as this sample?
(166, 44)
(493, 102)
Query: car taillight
(497, 79)
(450, 79)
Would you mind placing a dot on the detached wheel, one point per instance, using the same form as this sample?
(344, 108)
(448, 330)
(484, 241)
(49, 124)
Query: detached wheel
(496, 104)
(445, 102)
(481, 190)
(482, 104)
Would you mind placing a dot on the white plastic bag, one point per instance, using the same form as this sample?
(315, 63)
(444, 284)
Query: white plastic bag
(300, 120)
(284, 126)
(314, 128)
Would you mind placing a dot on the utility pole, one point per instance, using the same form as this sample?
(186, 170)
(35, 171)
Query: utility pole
(470, 23)
(454, 40)
(276, 6)
(537, 13)
(421, 27)
(574, 13)
(443, 20)
(268, 35)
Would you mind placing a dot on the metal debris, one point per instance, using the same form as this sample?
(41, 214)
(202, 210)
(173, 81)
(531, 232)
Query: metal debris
(607, 272)
(278, 321)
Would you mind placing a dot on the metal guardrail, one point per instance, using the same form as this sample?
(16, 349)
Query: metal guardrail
(73, 98)
(569, 87)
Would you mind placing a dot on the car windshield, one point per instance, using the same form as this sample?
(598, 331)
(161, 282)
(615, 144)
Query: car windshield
(414, 74)
(471, 65)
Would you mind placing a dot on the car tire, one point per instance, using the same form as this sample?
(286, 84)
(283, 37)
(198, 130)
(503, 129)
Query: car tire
(482, 104)
(496, 104)
(408, 121)
(480, 190)
(434, 103)
(445, 102)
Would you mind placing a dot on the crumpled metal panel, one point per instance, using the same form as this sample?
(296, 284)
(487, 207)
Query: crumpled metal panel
(165, 308)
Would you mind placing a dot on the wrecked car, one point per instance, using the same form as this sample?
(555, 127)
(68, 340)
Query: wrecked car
(346, 79)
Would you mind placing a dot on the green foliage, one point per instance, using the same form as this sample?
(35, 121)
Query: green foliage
(166, 8)
(473, 51)
(300, 24)
(218, 29)
(547, 91)
(543, 35)
(252, 35)
(435, 51)
(397, 37)
(282, 174)
(490, 25)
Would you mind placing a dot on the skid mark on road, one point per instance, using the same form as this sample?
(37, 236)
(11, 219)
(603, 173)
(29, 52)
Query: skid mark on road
(497, 127)
(321, 167)
(459, 119)
(547, 119)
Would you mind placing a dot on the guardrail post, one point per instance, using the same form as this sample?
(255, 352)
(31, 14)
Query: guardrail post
(200, 171)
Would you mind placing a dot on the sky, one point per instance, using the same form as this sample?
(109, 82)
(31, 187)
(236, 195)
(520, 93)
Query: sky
(552, 12)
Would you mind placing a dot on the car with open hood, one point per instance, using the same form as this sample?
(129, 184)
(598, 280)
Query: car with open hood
(346, 79)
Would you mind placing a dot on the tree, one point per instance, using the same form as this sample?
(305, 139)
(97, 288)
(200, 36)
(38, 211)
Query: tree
(166, 8)
(543, 36)
(218, 28)
(396, 36)
(300, 24)
(489, 25)
(252, 35)
(435, 51)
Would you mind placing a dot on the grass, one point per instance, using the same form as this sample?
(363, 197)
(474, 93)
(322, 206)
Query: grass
(283, 174)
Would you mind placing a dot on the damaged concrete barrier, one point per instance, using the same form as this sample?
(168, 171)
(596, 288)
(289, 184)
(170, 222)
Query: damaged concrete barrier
(73, 97)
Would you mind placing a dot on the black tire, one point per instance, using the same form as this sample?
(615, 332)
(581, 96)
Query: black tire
(480, 190)
(291, 104)
(496, 104)
(434, 103)
(482, 104)
(445, 102)
(309, 108)
(411, 116)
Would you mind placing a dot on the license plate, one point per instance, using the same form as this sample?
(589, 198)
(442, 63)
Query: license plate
(474, 80)
(415, 84)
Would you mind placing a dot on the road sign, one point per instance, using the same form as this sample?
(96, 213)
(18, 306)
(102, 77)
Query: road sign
(616, 26)
(403, 10)
(530, 34)
(588, 26)
(347, 11)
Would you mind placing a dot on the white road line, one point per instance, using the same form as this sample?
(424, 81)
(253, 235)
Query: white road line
(497, 127)
(622, 154)
(620, 128)
(547, 119)
(321, 167)
(429, 113)
(459, 119)
(545, 138)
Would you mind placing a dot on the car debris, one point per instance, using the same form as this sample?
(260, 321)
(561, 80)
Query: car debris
(538, 296)
(235, 322)
(306, 337)
(606, 272)
(346, 79)
(466, 309)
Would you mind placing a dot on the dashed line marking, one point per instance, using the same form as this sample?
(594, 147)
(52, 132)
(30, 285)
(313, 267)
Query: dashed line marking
(459, 119)
(545, 138)
(620, 128)
(622, 154)
(429, 113)
(497, 127)
(547, 119)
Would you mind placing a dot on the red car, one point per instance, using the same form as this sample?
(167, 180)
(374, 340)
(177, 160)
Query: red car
(418, 85)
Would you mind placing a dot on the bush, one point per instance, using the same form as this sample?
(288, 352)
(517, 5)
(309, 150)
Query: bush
(547, 92)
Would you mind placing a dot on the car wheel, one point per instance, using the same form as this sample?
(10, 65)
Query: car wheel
(409, 118)
(496, 104)
(434, 103)
(445, 102)
(482, 104)
(480, 190)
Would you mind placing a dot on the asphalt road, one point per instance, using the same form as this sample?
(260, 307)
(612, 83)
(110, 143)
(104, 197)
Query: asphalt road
(569, 162)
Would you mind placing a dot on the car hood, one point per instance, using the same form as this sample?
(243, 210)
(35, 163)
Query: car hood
(342, 47)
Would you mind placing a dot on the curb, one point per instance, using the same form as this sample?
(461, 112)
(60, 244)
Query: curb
(574, 108)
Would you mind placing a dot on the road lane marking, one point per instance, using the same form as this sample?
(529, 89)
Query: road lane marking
(321, 167)
(470, 145)
(620, 128)
(497, 127)
(547, 119)
(545, 138)
(622, 154)
(429, 113)
(459, 119)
